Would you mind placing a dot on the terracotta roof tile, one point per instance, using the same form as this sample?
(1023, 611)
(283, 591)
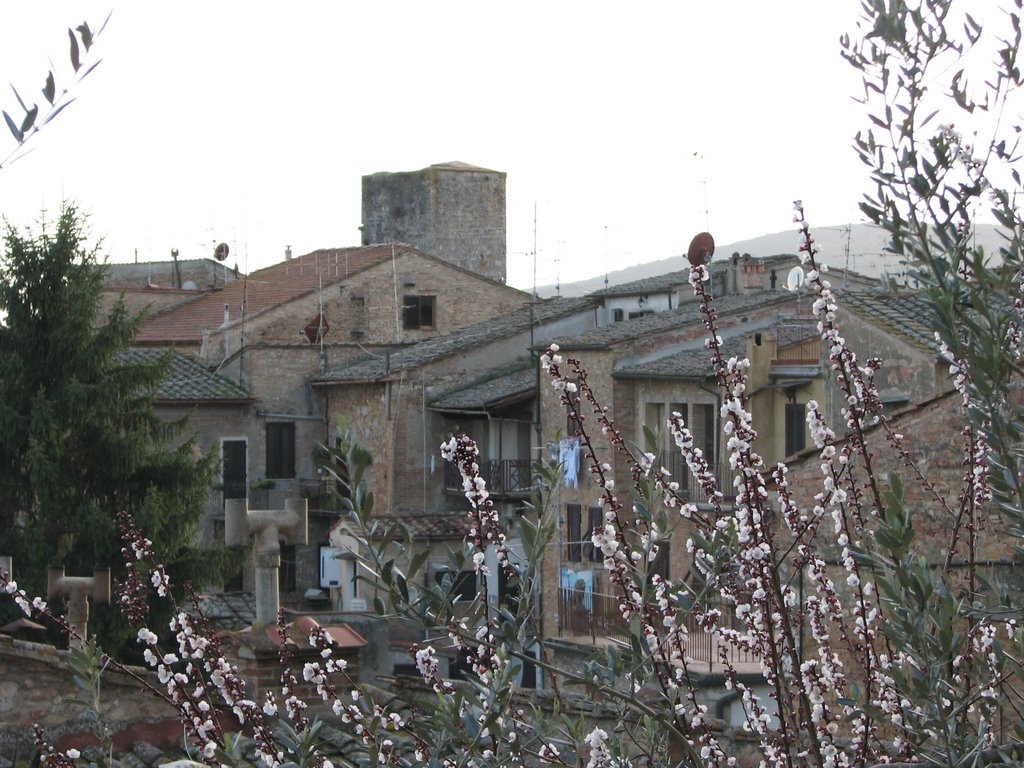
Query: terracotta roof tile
(261, 290)
(440, 525)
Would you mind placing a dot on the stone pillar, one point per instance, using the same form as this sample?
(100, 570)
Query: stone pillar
(78, 590)
(267, 526)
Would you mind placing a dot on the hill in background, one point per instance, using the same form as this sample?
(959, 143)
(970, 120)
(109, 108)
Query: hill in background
(863, 251)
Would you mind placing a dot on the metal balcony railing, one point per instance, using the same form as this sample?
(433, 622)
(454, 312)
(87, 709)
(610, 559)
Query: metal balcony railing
(503, 476)
(589, 614)
(689, 488)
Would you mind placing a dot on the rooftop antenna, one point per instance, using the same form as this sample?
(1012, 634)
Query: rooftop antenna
(844, 230)
(558, 269)
(245, 303)
(220, 253)
(848, 229)
(605, 255)
(704, 188)
(534, 250)
(177, 270)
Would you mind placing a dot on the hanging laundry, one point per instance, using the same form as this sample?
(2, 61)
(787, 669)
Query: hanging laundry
(569, 460)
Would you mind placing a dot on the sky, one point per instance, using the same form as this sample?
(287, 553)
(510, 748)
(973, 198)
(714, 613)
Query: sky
(626, 131)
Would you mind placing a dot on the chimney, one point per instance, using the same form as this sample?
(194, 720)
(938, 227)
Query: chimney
(753, 274)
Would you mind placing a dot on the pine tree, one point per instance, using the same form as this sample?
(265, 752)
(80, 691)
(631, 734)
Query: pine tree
(79, 438)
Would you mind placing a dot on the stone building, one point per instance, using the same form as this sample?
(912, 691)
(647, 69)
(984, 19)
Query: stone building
(453, 211)
(642, 370)
(273, 331)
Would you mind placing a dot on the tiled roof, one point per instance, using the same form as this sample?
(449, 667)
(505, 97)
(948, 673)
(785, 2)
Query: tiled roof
(691, 362)
(681, 317)
(470, 337)
(187, 380)
(904, 314)
(656, 284)
(792, 333)
(458, 165)
(496, 390)
(440, 525)
(261, 290)
(229, 610)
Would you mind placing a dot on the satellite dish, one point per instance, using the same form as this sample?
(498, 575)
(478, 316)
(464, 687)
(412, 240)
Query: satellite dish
(794, 279)
(221, 252)
(701, 248)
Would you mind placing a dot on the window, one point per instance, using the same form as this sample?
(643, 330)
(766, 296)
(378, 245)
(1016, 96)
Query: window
(618, 315)
(659, 566)
(796, 430)
(463, 584)
(574, 532)
(233, 468)
(418, 311)
(700, 420)
(640, 313)
(595, 519)
(281, 449)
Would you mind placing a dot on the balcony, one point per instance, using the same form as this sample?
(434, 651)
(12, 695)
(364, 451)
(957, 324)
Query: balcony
(504, 477)
(589, 615)
(689, 488)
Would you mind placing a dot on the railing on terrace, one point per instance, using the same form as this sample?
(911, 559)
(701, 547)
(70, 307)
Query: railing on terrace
(588, 614)
(689, 488)
(503, 476)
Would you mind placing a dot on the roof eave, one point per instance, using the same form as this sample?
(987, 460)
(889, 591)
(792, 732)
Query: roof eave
(206, 401)
(661, 376)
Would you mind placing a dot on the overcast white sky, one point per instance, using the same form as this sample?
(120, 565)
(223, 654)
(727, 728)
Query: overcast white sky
(632, 128)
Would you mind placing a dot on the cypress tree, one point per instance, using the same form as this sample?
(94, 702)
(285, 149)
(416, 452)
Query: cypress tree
(79, 438)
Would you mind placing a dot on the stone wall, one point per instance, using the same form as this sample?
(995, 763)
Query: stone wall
(37, 686)
(456, 213)
(144, 300)
(205, 273)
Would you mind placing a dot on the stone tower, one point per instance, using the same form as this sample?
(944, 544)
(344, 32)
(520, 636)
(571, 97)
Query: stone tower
(453, 211)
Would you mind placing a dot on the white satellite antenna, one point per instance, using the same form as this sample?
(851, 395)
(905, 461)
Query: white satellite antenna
(795, 279)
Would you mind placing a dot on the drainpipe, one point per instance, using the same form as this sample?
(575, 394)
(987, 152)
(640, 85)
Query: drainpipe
(387, 385)
(224, 331)
(718, 415)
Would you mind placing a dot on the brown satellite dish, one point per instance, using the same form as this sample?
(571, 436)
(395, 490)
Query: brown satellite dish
(221, 252)
(701, 248)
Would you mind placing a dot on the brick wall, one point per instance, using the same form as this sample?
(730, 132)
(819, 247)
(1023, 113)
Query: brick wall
(362, 308)
(932, 436)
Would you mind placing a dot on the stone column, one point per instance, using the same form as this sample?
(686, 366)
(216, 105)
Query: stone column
(78, 590)
(267, 526)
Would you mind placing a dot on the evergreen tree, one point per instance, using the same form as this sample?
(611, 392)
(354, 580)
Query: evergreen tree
(79, 438)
